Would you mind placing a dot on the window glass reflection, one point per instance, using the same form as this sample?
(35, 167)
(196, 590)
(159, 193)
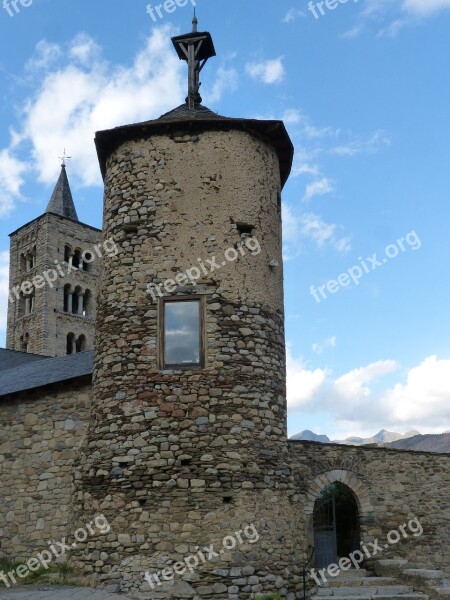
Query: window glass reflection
(182, 332)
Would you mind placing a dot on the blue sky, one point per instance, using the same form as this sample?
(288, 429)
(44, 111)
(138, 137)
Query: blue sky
(365, 94)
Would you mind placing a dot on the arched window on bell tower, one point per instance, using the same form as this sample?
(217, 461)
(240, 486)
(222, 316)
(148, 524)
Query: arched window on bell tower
(68, 297)
(68, 253)
(81, 343)
(77, 260)
(24, 342)
(71, 343)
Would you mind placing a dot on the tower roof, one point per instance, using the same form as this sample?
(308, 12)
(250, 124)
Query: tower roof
(61, 203)
(196, 48)
(198, 119)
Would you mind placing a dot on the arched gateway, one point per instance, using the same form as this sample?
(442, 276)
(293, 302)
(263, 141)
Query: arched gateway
(337, 502)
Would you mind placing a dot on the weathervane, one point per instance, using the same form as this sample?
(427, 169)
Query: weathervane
(195, 48)
(64, 158)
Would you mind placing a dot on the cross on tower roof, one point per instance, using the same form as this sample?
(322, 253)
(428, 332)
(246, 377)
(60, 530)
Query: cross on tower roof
(64, 158)
(195, 48)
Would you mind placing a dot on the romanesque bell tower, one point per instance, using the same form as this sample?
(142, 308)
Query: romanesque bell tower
(187, 439)
(54, 270)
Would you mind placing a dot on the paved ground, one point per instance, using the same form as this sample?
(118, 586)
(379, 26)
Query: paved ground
(41, 592)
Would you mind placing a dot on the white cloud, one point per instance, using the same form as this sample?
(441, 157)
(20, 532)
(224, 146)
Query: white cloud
(425, 7)
(371, 145)
(4, 282)
(76, 92)
(268, 71)
(292, 15)
(226, 79)
(302, 384)
(84, 49)
(305, 162)
(12, 172)
(87, 94)
(307, 226)
(292, 116)
(357, 404)
(320, 187)
(343, 245)
(353, 386)
(425, 395)
(312, 227)
(394, 15)
(45, 55)
(352, 33)
(320, 347)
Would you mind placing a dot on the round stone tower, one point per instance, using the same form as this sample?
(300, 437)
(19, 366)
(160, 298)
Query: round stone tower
(186, 451)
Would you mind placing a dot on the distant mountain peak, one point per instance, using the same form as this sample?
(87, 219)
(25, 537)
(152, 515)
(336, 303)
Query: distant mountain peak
(411, 440)
(309, 436)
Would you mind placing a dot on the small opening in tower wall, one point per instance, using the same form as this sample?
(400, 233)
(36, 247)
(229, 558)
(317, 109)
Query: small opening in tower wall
(227, 499)
(245, 228)
(185, 462)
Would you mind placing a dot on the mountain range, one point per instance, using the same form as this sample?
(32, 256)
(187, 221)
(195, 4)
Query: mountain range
(412, 440)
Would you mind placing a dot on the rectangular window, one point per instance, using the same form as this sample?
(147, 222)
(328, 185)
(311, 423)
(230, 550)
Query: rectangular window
(181, 333)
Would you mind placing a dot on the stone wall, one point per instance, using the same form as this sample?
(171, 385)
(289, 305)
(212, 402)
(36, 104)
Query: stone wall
(179, 459)
(40, 435)
(391, 487)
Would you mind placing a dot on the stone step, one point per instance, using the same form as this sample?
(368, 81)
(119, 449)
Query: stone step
(360, 590)
(390, 567)
(350, 573)
(361, 581)
(424, 573)
(371, 596)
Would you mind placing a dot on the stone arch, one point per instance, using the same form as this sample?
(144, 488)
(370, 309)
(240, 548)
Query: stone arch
(68, 298)
(359, 489)
(68, 253)
(71, 343)
(347, 478)
(77, 260)
(88, 303)
(24, 342)
(81, 343)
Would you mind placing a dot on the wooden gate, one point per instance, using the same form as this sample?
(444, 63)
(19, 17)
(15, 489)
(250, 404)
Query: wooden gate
(325, 540)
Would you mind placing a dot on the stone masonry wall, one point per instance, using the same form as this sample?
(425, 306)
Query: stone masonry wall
(391, 487)
(48, 325)
(177, 460)
(40, 434)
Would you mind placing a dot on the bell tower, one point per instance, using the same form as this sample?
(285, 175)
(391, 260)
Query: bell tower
(187, 438)
(54, 270)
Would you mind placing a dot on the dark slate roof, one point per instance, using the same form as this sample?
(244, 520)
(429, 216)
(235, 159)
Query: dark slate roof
(200, 118)
(61, 202)
(184, 113)
(9, 359)
(46, 371)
